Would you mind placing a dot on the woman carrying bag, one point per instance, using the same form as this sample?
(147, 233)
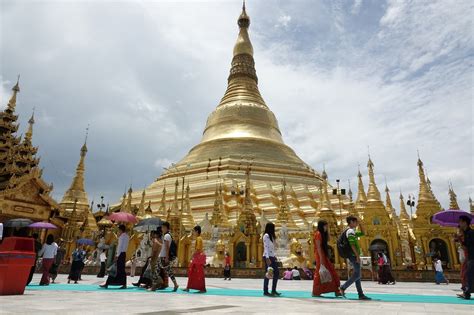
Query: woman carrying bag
(269, 257)
(196, 277)
(325, 277)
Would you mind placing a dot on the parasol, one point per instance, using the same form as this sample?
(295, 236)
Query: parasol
(17, 223)
(148, 224)
(450, 217)
(122, 217)
(42, 225)
(85, 241)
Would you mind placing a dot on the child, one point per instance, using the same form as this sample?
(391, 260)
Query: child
(439, 276)
(296, 274)
(287, 275)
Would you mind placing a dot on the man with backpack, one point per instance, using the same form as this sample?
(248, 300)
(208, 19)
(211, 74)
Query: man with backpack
(168, 254)
(348, 247)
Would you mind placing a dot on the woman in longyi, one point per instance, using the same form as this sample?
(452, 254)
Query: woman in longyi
(196, 277)
(325, 277)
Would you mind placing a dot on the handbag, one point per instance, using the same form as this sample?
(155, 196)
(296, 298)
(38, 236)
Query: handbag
(324, 275)
(112, 271)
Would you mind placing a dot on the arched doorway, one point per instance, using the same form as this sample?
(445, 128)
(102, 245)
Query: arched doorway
(378, 246)
(240, 256)
(439, 248)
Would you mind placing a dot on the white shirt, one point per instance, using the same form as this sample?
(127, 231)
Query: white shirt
(102, 257)
(1, 230)
(438, 266)
(166, 238)
(295, 273)
(48, 251)
(122, 243)
(268, 247)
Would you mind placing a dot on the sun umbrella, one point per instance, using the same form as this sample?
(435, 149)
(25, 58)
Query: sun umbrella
(42, 225)
(17, 223)
(148, 224)
(85, 241)
(122, 217)
(450, 217)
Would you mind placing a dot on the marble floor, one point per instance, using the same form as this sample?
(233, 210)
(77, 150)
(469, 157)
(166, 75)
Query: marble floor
(86, 299)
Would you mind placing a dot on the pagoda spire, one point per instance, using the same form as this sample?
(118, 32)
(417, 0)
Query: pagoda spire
(349, 193)
(162, 209)
(403, 210)
(453, 201)
(424, 189)
(471, 205)
(76, 190)
(29, 132)
(141, 207)
(373, 192)
(12, 102)
(175, 208)
(284, 216)
(128, 206)
(361, 197)
(325, 204)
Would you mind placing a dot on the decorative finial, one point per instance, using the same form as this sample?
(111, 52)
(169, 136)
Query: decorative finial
(32, 118)
(16, 87)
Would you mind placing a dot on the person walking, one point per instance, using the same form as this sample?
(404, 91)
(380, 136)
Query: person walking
(329, 282)
(468, 245)
(439, 274)
(48, 252)
(121, 276)
(103, 260)
(352, 235)
(269, 238)
(38, 247)
(60, 253)
(168, 254)
(196, 276)
(227, 267)
(133, 265)
(156, 244)
(77, 261)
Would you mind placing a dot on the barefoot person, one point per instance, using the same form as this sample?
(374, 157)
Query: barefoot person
(77, 261)
(196, 277)
(103, 261)
(468, 244)
(227, 267)
(168, 255)
(269, 257)
(321, 254)
(121, 276)
(156, 244)
(352, 236)
(48, 252)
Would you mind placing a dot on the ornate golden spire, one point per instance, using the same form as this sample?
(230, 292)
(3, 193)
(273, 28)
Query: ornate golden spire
(148, 210)
(29, 132)
(325, 204)
(453, 201)
(187, 219)
(162, 209)
(284, 216)
(12, 102)
(373, 192)
(427, 202)
(361, 197)
(424, 189)
(76, 190)
(403, 210)
(175, 208)
(388, 201)
(471, 205)
(219, 216)
(141, 207)
(128, 207)
(349, 193)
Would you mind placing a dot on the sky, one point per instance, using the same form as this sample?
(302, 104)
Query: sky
(344, 78)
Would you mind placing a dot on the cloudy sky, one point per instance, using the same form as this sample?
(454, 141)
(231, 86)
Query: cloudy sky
(339, 75)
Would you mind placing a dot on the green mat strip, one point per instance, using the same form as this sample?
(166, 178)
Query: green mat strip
(380, 297)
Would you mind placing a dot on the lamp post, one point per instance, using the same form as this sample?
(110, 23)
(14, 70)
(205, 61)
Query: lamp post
(339, 192)
(411, 204)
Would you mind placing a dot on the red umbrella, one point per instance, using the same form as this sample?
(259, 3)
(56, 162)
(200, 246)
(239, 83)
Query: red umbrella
(123, 217)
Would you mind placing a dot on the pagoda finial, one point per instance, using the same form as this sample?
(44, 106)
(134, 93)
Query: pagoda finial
(373, 192)
(403, 210)
(471, 205)
(388, 201)
(361, 196)
(349, 193)
(12, 102)
(243, 44)
(31, 122)
(453, 202)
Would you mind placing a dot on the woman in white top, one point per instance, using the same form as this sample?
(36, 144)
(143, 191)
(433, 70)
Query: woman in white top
(269, 258)
(48, 252)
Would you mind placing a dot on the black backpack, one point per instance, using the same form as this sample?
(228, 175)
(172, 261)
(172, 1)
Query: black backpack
(343, 246)
(173, 248)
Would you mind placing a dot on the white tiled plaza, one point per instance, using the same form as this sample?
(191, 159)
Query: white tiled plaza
(132, 301)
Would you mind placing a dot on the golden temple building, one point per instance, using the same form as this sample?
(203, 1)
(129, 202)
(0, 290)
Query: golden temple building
(240, 176)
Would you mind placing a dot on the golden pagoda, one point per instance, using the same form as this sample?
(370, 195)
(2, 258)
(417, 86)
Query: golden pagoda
(453, 201)
(241, 131)
(23, 192)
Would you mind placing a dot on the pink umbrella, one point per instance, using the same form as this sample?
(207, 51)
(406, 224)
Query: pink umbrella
(42, 225)
(123, 217)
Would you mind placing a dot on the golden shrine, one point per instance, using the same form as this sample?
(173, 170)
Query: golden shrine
(239, 177)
